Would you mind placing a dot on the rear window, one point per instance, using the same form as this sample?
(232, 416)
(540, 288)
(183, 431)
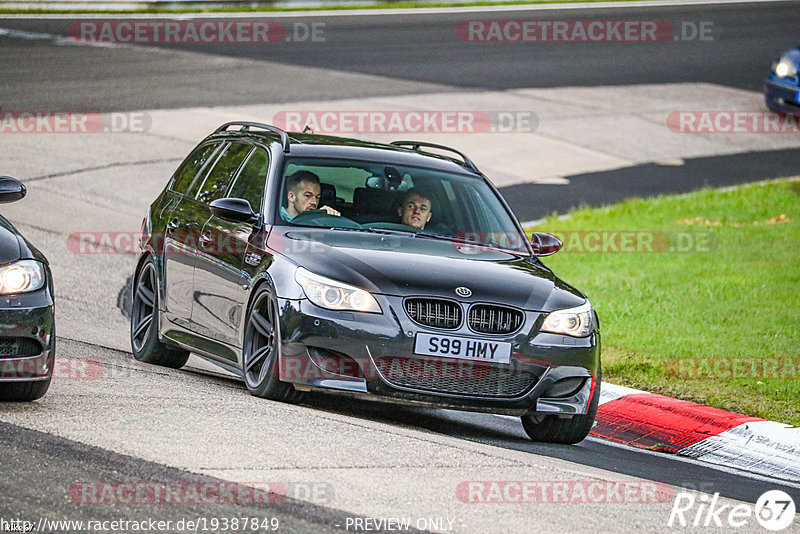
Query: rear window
(218, 180)
(250, 183)
(191, 167)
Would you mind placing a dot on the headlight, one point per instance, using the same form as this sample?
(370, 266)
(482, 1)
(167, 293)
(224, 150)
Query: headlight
(785, 68)
(333, 295)
(575, 322)
(21, 276)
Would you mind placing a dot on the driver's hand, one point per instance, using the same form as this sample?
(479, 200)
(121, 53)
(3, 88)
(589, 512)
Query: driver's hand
(330, 211)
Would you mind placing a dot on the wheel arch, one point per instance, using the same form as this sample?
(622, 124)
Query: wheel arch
(278, 275)
(159, 278)
(264, 278)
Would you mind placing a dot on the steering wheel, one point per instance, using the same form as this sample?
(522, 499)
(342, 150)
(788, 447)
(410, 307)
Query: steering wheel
(324, 219)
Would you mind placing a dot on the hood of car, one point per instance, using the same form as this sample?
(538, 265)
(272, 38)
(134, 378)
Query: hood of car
(404, 265)
(14, 247)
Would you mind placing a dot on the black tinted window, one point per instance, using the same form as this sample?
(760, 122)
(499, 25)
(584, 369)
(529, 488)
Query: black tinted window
(250, 182)
(221, 175)
(191, 166)
(367, 195)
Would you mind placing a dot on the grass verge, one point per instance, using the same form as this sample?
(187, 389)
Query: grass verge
(707, 309)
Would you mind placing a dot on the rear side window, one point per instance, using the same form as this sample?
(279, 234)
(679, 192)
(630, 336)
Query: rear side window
(191, 166)
(249, 184)
(223, 172)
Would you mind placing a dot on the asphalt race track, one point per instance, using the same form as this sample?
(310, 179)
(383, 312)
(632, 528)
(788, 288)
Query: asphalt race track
(407, 49)
(112, 420)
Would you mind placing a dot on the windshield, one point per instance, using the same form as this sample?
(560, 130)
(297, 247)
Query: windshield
(375, 197)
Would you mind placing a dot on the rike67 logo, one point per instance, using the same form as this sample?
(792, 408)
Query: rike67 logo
(774, 510)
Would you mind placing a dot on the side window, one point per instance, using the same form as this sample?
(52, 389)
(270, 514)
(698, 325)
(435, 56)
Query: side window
(191, 166)
(221, 175)
(249, 184)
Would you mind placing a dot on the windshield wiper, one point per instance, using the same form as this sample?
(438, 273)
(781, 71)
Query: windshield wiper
(444, 237)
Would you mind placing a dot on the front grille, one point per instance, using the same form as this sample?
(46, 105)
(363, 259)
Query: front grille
(455, 377)
(19, 347)
(434, 313)
(488, 319)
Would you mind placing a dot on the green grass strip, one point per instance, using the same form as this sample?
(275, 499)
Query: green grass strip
(707, 309)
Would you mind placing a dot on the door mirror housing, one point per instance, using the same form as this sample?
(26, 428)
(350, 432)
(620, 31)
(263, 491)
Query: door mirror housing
(545, 244)
(233, 209)
(11, 189)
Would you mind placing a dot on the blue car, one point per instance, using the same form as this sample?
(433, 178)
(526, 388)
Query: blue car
(782, 86)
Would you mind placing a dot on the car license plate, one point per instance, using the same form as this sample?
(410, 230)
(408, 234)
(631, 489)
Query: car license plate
(464, 348)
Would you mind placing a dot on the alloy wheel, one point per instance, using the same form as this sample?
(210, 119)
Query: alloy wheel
(144, 306)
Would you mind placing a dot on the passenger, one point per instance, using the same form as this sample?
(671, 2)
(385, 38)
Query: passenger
(415, 210)
(303, 192)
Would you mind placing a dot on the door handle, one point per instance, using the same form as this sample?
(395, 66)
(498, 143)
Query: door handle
(205, 239)
(172, 225)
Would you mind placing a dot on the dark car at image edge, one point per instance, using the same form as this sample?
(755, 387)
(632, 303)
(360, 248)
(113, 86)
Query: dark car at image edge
(27, 310)
(782, 86)
(460, 314)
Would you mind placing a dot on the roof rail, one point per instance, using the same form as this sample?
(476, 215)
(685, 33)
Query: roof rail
(415, 145)
(245, 127)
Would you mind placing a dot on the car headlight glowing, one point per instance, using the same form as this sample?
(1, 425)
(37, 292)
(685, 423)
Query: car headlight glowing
(334, 295)
(575, 322)
(785, 68)
(21, 276)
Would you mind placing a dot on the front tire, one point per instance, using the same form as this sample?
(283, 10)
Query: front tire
(145, 344)
(33, 389)
(260, 350)
(554, 429)
(24, 391)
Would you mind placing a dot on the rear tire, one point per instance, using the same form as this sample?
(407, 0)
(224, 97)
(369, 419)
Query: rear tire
(554, 429)
(260, 350)
(145, 344)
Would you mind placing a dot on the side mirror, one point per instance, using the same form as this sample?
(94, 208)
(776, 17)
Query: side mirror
(545, 244)
(233, 209)
(11, 189)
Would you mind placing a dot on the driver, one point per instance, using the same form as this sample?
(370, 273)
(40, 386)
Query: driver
(415, 210)
(303, 192)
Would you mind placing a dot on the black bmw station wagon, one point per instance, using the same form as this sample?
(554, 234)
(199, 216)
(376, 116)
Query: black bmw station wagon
(394, 272)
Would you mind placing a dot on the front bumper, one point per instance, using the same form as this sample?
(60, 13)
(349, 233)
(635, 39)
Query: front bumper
(782, 95)
(27, 336)
(372, 355)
